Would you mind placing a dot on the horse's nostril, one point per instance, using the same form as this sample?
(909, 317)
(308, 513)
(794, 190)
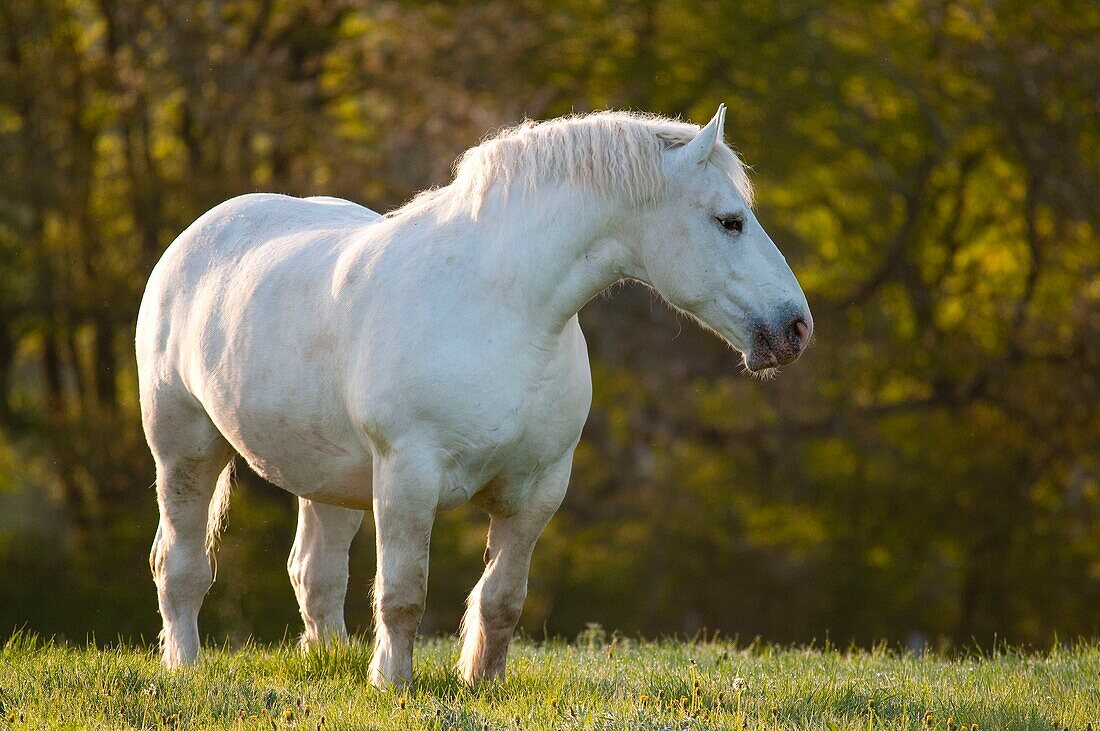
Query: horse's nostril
(799, 333)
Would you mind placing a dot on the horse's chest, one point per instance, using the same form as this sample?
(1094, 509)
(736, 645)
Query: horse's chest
(516, 433)
(534, 428)
(531, 426)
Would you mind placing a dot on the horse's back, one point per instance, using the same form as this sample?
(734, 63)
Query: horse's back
(249, 242)
(246, 222)
(243, 224)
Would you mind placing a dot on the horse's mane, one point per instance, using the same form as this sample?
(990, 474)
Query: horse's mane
(606, 152)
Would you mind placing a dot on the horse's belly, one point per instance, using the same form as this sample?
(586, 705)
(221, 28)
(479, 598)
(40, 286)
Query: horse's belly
(343, 481)
(303, 456)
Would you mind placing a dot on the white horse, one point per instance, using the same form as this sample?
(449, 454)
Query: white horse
(415, 361)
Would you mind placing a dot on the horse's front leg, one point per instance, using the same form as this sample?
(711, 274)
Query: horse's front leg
(495, 604)
(406, 495)
(318, 568)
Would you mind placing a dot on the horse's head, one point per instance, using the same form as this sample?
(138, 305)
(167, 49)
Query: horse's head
(702, 248)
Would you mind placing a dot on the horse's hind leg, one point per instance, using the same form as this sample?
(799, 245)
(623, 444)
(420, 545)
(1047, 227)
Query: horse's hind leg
(190, 455)
(318, 567)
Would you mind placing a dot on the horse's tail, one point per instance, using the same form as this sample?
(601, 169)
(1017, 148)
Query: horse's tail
(215, 516)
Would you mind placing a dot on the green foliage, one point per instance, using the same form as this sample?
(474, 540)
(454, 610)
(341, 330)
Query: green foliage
(929, 470)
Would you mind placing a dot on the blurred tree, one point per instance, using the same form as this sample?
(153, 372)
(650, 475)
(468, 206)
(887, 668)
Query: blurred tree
(930, 469)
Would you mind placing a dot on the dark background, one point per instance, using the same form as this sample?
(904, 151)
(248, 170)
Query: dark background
(928, 472)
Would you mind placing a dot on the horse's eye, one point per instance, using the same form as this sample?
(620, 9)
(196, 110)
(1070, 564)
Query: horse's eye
(733, 224)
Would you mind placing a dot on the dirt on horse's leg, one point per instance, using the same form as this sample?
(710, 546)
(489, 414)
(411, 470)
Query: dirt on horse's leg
(406, 495)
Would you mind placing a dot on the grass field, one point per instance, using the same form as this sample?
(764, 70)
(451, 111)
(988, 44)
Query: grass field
(592, 684)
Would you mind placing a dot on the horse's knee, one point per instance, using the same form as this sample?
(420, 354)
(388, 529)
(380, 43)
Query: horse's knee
(400, 613)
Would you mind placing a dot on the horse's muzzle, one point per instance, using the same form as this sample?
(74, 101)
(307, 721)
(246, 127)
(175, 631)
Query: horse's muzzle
(779, 343)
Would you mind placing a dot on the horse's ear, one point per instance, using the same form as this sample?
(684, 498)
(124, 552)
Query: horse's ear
(699, 149)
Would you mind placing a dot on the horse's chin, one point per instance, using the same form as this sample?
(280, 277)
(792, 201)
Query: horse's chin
(759, 361)
(761, 368)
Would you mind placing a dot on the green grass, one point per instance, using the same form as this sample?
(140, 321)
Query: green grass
(590, 685)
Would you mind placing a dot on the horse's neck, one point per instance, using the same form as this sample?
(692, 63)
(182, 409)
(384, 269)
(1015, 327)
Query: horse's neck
(560, 246)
